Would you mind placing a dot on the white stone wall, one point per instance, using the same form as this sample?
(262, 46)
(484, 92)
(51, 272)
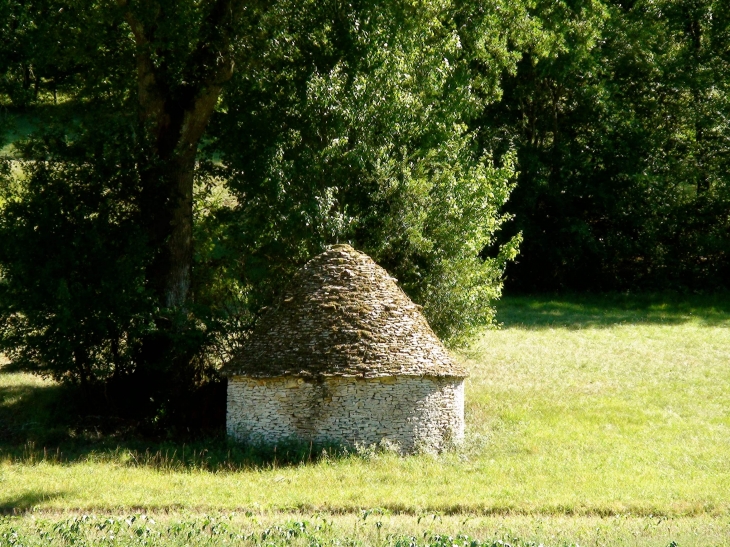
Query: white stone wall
(413, 412)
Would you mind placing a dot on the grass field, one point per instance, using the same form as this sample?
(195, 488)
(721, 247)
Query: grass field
(607, 415)
(368, 528)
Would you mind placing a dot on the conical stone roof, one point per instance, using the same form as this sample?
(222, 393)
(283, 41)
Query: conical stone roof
(343, 315)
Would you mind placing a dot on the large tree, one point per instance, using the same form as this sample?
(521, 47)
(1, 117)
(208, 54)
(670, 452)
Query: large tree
(184, 54)
(201, 151)
(100, 288)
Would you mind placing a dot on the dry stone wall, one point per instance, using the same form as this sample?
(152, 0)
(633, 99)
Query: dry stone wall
(412, 412)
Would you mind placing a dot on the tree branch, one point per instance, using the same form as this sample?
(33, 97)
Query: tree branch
(151, 99)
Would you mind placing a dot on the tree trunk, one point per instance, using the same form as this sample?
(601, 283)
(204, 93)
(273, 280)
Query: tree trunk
(176, 286)
(177, 147)
(168, 210)
(175, 123)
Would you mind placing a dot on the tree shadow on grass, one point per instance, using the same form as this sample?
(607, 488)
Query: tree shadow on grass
(30, 410)
(46, 422)
(26, 502)
(580, 311)
(18, 123)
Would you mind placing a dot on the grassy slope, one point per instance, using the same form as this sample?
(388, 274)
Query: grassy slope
(610, 406)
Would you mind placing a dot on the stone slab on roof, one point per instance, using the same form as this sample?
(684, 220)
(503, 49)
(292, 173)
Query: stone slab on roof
(343, 315)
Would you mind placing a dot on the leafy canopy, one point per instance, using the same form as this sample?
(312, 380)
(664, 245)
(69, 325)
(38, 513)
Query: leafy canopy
(340, 122)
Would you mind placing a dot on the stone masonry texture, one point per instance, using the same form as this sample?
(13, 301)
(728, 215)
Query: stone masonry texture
(411, 413)
(345, 356)
(343, 315)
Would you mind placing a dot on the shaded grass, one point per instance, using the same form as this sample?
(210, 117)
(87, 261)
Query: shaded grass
(31, 408)
(568, 413)
(43, 422)
(16, 124)
(580, 311)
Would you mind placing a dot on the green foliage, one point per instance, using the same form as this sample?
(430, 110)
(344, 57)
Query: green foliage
(619, 112)
(395, 126)
(72, 296)
(355, 130)
(341, 123)
(42, 51)
(75, 302)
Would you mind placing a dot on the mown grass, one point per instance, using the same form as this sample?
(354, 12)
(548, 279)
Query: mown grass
(595, 410)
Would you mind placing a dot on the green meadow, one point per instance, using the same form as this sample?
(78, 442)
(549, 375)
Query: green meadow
(587, 418)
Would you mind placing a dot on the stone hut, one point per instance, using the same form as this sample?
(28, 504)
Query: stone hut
(345, 357)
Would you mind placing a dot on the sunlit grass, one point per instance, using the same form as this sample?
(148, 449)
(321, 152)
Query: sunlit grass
(366, 528)
(601, 408)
